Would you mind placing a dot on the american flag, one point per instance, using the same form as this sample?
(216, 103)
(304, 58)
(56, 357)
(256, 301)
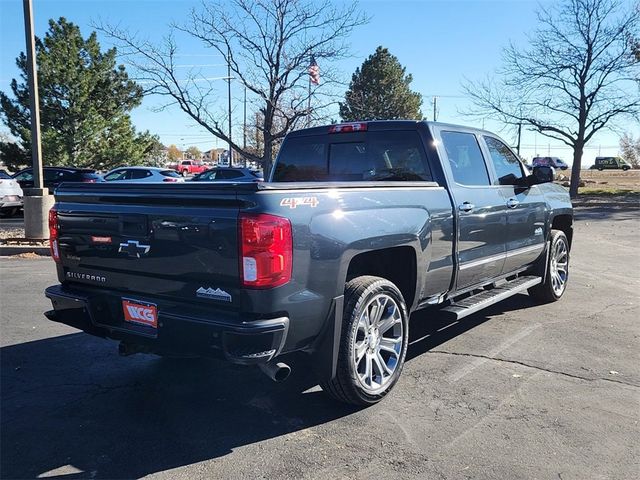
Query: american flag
(314, 71)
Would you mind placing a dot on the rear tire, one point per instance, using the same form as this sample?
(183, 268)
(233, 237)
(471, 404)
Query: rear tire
(557, 271)
(184, 173)
(373, 345)
(9, 212)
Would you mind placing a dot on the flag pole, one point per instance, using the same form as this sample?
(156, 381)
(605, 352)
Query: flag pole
(309, 103)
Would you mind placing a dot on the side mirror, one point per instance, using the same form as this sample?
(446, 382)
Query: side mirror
(541, 174)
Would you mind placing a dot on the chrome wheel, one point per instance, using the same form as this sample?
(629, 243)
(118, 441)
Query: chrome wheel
(378, 343)
(559, 267)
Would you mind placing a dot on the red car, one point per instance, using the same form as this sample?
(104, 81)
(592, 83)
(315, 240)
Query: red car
(189, 167)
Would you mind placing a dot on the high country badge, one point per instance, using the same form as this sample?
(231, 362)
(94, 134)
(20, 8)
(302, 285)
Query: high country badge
(213, 294)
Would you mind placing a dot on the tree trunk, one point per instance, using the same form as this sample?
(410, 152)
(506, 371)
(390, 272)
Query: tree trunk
(267, 157)
(268, 139)
(575, 168)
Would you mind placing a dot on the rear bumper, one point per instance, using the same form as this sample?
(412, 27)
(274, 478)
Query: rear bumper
(182, 330)
(8, 202)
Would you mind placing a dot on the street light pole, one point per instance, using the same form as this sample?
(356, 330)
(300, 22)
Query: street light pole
(244, 126)
(435, 109)
(229, 98)
(37, 201)
(34, 101)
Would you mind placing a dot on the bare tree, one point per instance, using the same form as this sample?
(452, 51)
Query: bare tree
(578, 75)
(268, 45)
(630, 150)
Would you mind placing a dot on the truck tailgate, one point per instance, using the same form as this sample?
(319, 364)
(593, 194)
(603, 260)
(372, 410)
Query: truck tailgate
(175, 240)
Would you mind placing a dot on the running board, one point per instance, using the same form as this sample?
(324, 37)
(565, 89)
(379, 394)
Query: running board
(477, 302)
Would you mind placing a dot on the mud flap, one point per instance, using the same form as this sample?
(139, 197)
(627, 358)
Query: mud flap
(324, 355)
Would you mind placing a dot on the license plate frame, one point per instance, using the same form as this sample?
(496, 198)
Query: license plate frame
(139, 312)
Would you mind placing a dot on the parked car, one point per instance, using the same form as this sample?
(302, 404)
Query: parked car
(189, 167)
(54, 176)
(229, 174)
(610, 163)
(10, 195)
(143, 174)
(554, 162)
(360, 225)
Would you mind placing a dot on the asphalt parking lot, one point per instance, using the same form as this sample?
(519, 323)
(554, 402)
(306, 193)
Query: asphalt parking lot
(517, 391)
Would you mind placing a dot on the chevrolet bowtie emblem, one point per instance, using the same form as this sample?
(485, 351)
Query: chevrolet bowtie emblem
(134, 248)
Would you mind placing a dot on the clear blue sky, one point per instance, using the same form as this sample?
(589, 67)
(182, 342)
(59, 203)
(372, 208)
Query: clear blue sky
(440, 43)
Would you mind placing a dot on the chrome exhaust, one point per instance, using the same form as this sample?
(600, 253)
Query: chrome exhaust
(278, 372)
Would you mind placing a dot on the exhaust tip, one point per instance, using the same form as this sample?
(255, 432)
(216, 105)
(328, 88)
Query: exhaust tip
(278, 372)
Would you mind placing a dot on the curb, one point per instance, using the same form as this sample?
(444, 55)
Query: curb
(9, 250)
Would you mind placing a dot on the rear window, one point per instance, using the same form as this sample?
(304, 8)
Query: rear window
(169, 173)
(372, 156)
(138, 174)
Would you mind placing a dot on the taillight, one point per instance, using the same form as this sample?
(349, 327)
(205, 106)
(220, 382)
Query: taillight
(266, 250)
(348, 127)
(89, 180)
(169, 179)
(53, 235)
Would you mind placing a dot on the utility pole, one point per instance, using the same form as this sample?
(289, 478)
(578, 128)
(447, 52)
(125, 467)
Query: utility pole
(519, 131)
(435, 109)
(229, 98)
(37, 201)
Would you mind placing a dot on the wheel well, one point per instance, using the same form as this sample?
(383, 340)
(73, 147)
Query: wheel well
(397, 264)
(564, 223)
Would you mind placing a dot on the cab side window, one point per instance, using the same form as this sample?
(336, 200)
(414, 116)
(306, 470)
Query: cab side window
(504, 161)
(465, 158)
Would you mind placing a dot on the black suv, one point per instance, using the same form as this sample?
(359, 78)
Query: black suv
(228, 174)
(54, 176)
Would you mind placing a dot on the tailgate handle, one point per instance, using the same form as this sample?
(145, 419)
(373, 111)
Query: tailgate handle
(134, 225)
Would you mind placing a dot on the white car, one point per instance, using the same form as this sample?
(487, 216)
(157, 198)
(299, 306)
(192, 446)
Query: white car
(10, 195)
(143, 174)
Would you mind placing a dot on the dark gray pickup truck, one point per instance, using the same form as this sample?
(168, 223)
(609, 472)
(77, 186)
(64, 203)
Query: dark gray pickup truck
(359, 225)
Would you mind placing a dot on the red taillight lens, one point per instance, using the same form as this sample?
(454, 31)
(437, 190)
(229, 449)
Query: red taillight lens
(53, 235)
(266, 250)
(169, 179)
(89, 180)
(348, 127)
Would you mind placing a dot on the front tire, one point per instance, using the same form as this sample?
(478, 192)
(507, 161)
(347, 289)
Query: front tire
(373, 345)
(555, 281)
(184, 173)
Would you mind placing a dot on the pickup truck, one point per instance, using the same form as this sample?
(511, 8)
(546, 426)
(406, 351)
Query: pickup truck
(359, 225)
(189, 167)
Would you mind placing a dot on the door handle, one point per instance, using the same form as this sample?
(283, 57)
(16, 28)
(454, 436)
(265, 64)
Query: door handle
(466, 207)
(512, 203)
